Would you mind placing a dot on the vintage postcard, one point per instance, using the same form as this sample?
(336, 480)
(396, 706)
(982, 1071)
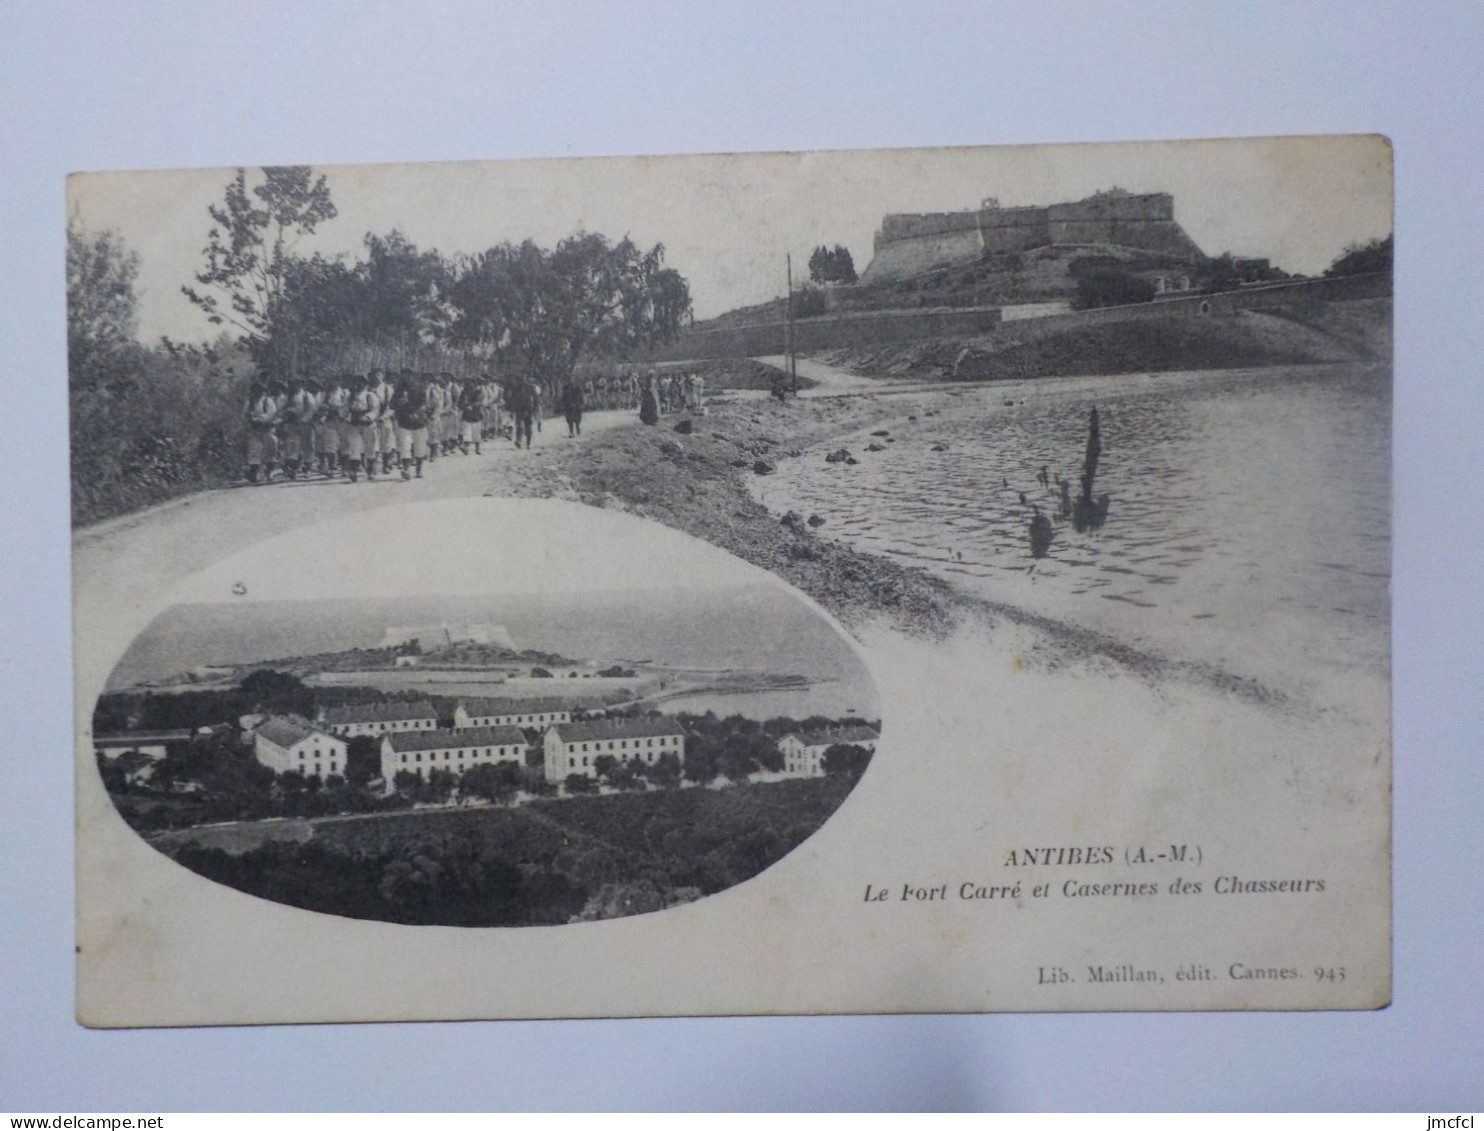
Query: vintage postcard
(845, 582)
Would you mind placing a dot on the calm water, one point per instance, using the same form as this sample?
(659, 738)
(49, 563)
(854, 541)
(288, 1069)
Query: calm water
(757, 628)
(1248, 522)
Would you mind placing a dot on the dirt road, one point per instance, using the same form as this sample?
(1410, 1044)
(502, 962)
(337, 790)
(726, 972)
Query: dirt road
(117, 562)
(832, 382)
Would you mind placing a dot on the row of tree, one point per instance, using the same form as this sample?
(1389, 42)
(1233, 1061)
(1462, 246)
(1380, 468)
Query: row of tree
(213, 776)
(521, 305)
(549, 862)
(831, 265)
(150, 420)
(1103, 282)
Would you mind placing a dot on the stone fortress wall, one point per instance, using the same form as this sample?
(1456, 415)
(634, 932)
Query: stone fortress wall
(910, 243)
(436, 635)
(884, 327)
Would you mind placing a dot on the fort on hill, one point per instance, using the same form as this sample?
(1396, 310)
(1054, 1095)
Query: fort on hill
(908, 244)
(439, 635)
(1047, 281)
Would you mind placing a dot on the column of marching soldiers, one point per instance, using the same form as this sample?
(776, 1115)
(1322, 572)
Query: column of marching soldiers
(383, 423)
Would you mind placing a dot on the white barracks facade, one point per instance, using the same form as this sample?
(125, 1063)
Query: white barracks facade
(510, 713)
(574, 748)
(284, 744)
(803, 752)
(454, 750)
(376, 719)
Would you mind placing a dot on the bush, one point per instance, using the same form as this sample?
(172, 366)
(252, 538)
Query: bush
(808, 302)
(1362, 259)
(1106, 287)
(160, 423)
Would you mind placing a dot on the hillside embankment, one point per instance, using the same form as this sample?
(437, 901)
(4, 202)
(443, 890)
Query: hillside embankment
(695, 483)
(1358, 330)
(698, 484)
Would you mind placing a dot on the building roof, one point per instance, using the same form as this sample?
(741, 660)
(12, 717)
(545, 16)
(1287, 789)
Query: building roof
(284, 731)
(481, 708)
(601, 729)
(389, 712)
(140, 737)
(455, 739)
(846, 735)
(132, 762)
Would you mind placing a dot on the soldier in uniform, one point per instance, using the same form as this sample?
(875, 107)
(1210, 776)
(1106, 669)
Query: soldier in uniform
(572, 405)
(521, 398)
(298, 429)
(433, 399)
(362, 409)
(262, 439)
(453, 390)
(386, 432)
(471, 415)
(329, 424)
(410, 410)
(649, 405)
(490, 394)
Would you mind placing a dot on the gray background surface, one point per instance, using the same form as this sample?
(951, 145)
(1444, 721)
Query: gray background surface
(133, 85)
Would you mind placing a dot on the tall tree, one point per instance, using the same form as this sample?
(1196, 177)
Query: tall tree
(844, 264)
(250, 257)
(831, 265)
(547, 309)
(102, 307)
(819, 264)
(404, 300)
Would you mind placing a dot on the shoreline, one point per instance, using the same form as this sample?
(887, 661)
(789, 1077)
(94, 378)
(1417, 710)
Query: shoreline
(698, 484)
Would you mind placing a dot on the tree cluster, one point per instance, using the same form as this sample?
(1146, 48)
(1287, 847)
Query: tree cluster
(733, 747)
(545, 863)
(151, 422)
(521, 306)
(1107, 286)
(1362, 259)
(831, 265)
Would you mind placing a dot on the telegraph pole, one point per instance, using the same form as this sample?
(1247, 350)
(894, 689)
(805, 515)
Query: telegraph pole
(788, 338)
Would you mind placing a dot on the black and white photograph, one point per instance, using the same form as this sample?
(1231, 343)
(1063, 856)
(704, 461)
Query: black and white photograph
(484, 760)
(403, 497)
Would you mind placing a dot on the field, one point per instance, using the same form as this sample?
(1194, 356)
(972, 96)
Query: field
(545, 862)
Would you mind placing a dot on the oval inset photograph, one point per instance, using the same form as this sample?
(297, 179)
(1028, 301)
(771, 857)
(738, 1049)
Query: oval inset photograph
(484, 713)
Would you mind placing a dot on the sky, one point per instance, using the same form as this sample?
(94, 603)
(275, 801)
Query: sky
(728, 221)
